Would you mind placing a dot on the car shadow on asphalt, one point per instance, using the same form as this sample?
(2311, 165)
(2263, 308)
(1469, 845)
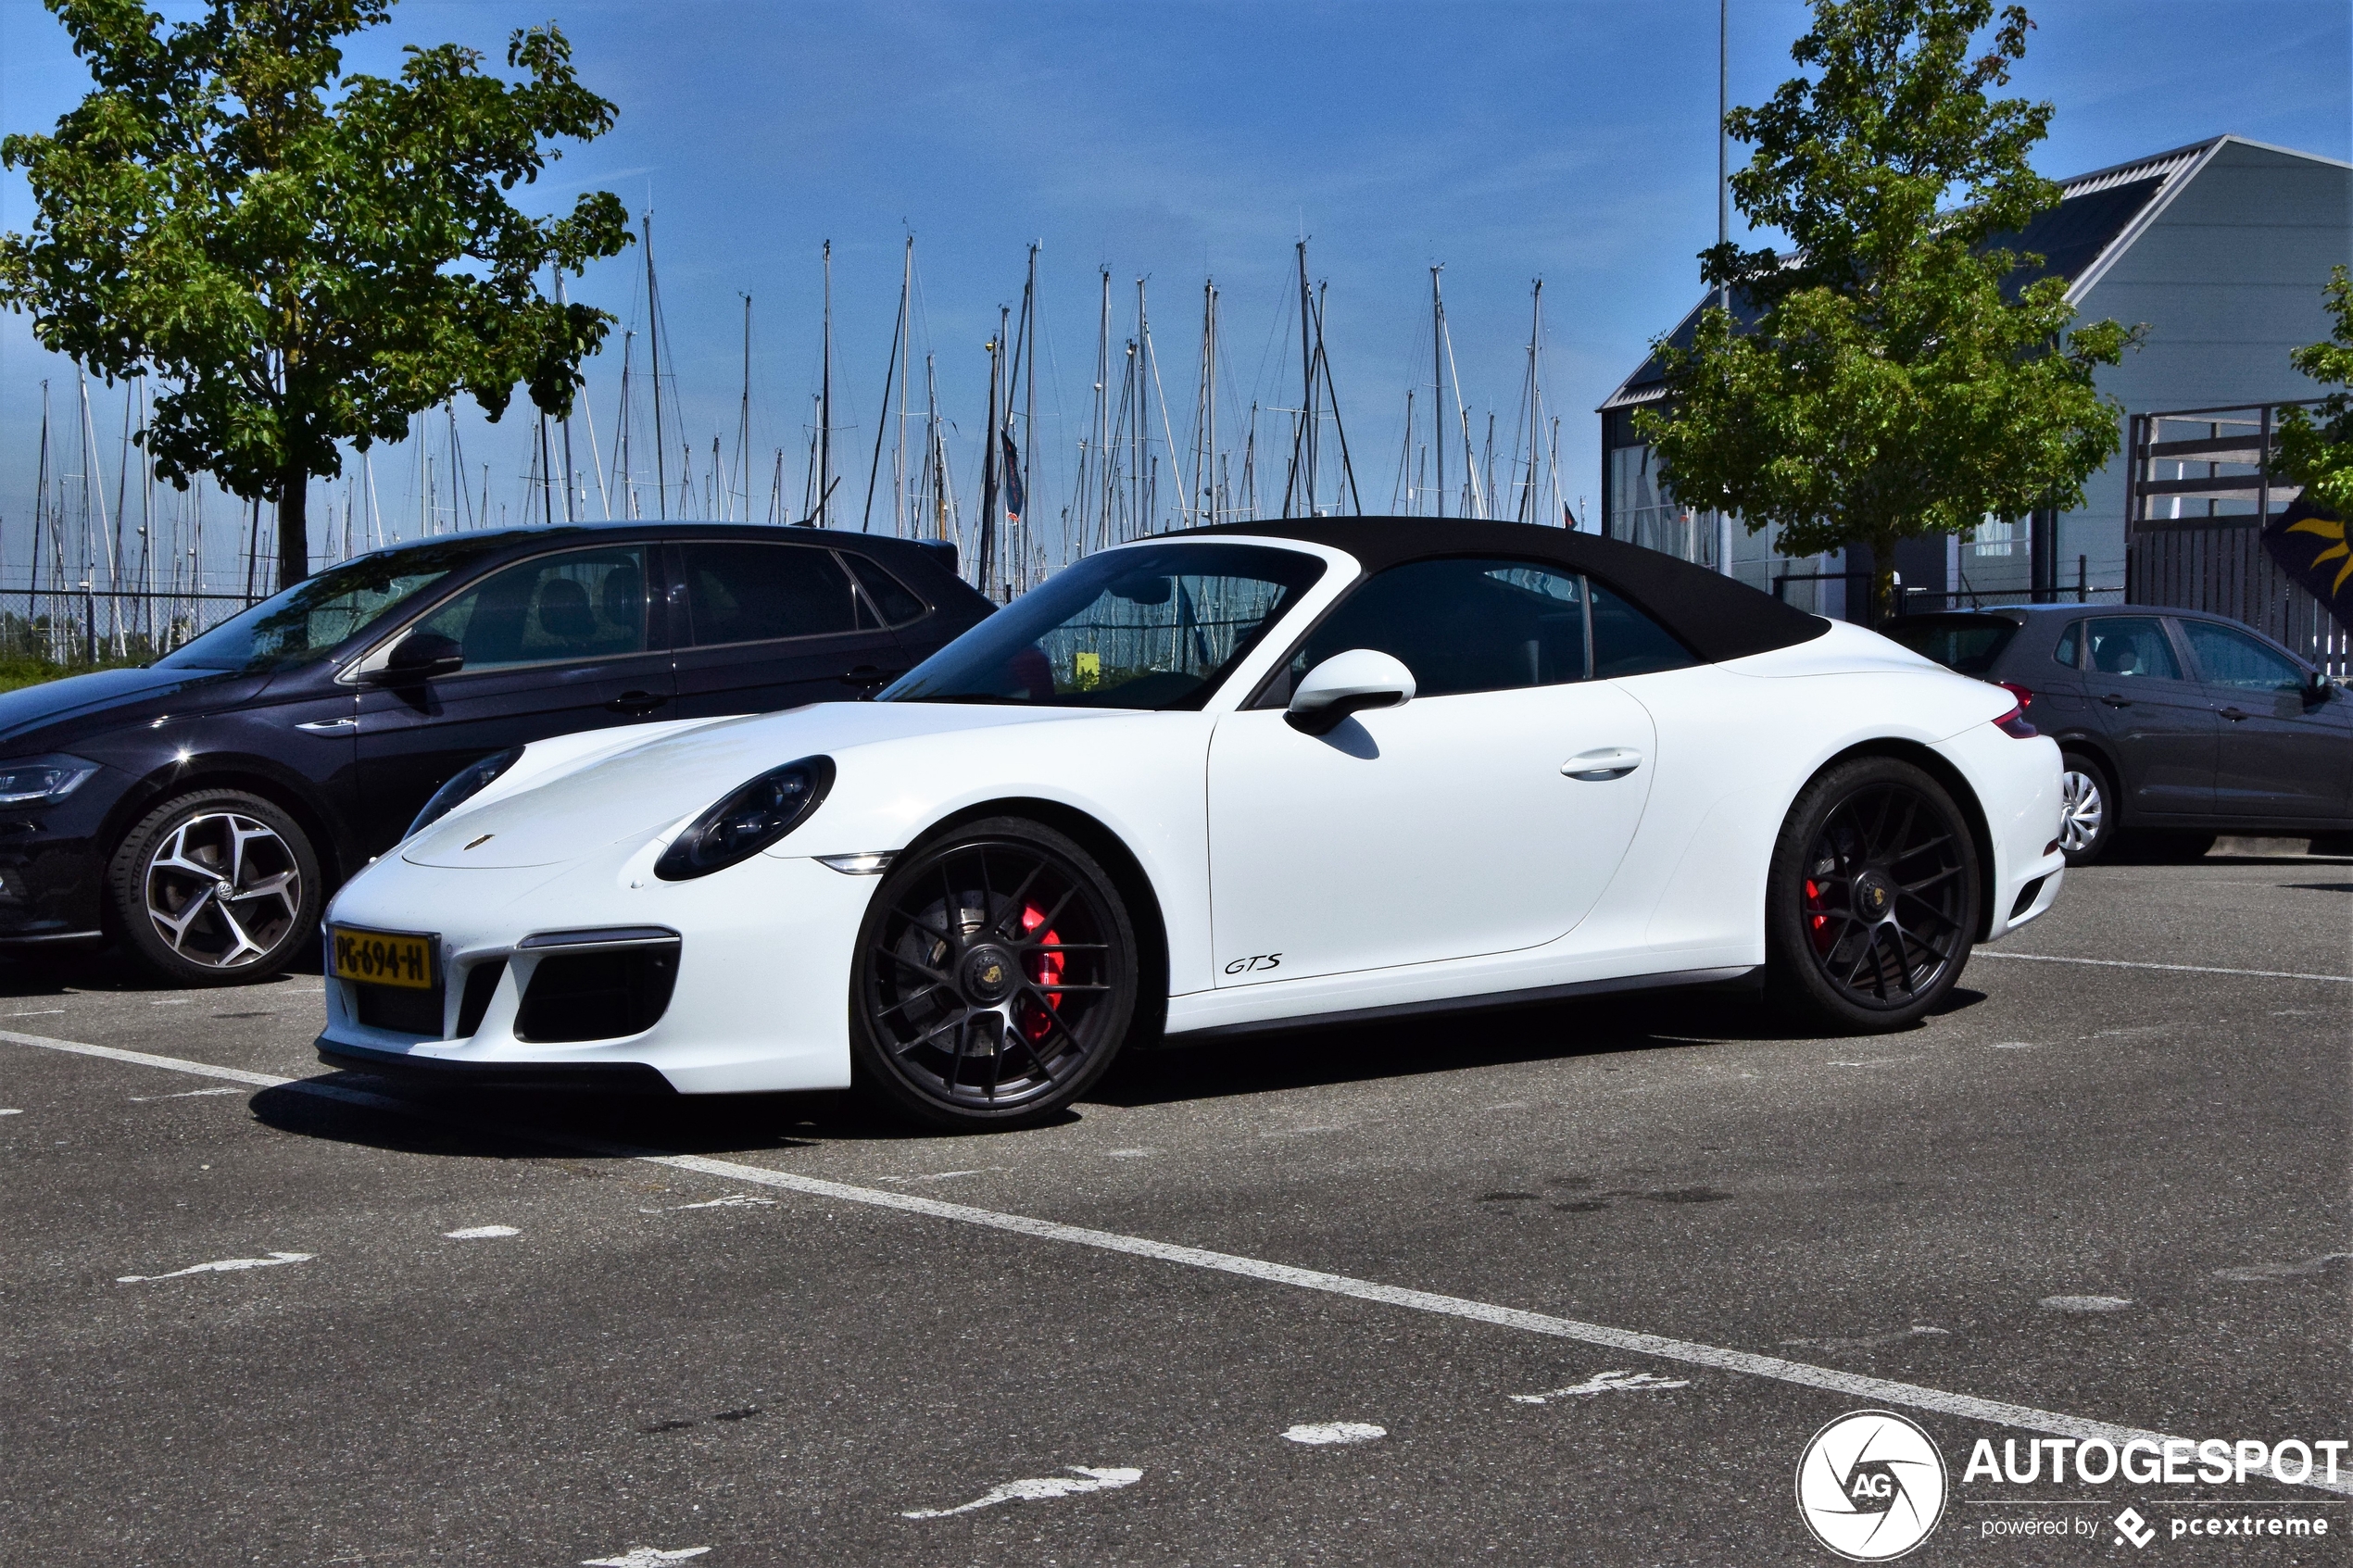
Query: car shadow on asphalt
(52, 972)
(506, 1123)
(1406, 1047)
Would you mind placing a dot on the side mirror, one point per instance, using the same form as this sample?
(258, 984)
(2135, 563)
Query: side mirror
(1345, 683)
(2318, 688)
(419, 657)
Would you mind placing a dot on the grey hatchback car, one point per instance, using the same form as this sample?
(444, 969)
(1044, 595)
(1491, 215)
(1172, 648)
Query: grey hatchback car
(2176, 725)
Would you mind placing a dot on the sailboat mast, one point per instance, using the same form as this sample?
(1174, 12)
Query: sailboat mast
(1438, 382)
(1306, 445)
(1027, 456)
(653, 361)
(906, 356)
(743, 425)
(825, 402)
(984, 565)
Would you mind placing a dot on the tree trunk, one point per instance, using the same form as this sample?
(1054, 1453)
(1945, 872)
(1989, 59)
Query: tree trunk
(294, 527)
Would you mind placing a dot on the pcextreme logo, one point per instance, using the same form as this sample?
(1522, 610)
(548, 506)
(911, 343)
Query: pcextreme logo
(1871, 1486)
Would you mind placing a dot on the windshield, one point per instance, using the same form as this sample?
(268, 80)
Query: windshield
(1969, 644)
(319, 614)
(1153, 626)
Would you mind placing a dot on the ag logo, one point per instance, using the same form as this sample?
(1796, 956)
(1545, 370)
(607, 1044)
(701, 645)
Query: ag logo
(1871, 1486)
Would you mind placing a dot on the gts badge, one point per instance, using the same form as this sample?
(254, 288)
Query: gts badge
(1255, 963)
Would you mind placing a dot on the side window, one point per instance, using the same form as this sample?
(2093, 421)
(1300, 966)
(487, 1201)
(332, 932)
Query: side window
(1627, 641)
(582, 604)
(2232, 659)
(1461, 625)
(2070, 651)
(887, 593)
(2131, 645)
(758, 592)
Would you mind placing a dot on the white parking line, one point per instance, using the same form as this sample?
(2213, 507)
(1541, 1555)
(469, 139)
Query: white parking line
(2180, 968)
(1967, 1407)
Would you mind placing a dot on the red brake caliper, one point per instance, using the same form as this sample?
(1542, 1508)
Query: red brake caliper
(1815, 919)
(1046, 968)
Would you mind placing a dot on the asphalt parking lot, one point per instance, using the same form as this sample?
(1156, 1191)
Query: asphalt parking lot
(1354, 1296)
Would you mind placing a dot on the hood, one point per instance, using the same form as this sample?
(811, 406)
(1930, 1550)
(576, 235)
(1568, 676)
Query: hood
(672, 777)
(109, 696)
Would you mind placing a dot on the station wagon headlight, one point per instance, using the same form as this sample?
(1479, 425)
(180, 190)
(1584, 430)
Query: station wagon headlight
(469, 782)
(41, 780)
(748, 819)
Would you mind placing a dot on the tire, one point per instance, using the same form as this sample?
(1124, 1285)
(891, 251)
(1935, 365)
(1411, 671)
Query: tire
(258, 910)
(2087, 808)
(996, 978)
(1871, 901)
(2331, 844)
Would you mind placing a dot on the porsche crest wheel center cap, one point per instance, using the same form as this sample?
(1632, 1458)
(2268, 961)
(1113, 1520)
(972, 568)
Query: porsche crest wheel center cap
(989, 974)
(1874, 896)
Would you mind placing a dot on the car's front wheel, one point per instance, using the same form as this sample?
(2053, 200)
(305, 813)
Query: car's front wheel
(996, 977)
(215, 887)
(1871, 903)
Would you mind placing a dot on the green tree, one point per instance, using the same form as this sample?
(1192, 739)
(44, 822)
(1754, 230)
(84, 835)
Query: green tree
(2316, 452)
(303, 256)
(1897, 382)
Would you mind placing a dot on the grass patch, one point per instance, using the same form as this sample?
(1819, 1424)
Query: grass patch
(16, 673)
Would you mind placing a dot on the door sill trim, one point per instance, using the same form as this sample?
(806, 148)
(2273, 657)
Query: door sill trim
(1737, 977)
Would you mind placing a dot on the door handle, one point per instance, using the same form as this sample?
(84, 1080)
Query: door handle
(637, 702)
(869, 677)
(2235, 714)
(328, 726)
(1603, 763)
(2116, 699)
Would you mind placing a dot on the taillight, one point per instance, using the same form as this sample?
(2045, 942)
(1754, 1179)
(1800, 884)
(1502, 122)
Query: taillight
(2024, 695)
(2014, 724)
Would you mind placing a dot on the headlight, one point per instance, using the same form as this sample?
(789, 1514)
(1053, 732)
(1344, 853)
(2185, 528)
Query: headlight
(469, 782)
(41, 780)
(747, 821)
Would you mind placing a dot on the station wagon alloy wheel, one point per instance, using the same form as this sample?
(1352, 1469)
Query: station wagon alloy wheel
(1873, 900)
(996, 977)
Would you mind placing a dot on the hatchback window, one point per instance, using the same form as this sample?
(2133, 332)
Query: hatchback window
(2070, 651)
(884, 592)
(1969, 644)
(2131, 645)
(1468, 625)
(316, 615)
(743, 593)
(2232, 659)
(581, 604)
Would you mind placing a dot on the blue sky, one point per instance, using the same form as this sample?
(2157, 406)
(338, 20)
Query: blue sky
(1568, 140)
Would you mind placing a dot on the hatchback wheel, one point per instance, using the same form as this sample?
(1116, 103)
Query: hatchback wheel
(2087, 810)
(1871, 901)
(995, 980)
(217, 887)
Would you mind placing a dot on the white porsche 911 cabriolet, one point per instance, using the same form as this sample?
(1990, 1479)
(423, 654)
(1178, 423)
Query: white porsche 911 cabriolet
(1226, 780)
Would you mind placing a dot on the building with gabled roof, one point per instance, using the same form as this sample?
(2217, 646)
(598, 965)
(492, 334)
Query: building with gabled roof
(2221, 248)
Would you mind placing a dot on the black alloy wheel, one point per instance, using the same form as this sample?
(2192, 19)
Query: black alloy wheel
(1872, 900)
(995, 978)
(216, 887)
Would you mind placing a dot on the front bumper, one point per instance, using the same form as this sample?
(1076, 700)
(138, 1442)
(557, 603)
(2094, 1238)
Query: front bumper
(50, 873)
(759, 1001)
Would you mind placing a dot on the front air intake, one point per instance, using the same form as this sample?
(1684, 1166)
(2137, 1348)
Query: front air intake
(604, 992)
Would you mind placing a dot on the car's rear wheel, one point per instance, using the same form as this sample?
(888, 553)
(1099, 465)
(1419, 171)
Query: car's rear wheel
(2087, 808)
(215, 887)
(996, 977)
(1871, 903)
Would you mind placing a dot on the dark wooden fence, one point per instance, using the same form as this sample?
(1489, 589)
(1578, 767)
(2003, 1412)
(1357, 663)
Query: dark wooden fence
(2199, 492)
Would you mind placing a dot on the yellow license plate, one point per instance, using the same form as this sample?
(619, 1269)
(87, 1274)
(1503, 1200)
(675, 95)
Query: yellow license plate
(382, 958)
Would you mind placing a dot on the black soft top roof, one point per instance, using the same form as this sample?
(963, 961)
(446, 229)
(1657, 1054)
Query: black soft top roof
(1713, 616)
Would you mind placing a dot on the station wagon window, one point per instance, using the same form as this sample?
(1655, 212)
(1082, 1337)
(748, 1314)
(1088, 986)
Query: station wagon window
(312, 619)
(885, 594)
(2070, 651)
(749, 592)
(580, 603)
(2232, 659)
(1969, 644)
(2131, 647)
